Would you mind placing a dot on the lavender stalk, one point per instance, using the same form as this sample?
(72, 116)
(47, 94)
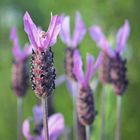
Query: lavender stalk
(87, 132)
(119, 118)
(19, 117)
(85, 100)
(103, 110)
(42, 70)
(20, 76)
(45, 118)
(117, 66)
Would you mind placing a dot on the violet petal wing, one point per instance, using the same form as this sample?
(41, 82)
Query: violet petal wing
(122, 36)
(26, 130)
(89, 68)
(77, 69)
(80, 30)
(98, 62)
(31, 30)
(38, 114)
(53, 31)
(16, 47)
(55, 125)
(65, 31)
(98, 36)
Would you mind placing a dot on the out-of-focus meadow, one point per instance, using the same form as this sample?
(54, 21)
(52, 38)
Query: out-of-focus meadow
(110, 15)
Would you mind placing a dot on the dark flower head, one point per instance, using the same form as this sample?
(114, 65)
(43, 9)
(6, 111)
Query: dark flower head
(42, 71)
(113, 68)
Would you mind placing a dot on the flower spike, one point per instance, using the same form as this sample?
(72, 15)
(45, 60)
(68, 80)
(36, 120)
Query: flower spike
(113, 68)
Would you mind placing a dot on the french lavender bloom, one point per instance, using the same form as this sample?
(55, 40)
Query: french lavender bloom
(20, 76)
(85, 103)
(113, 68)
(43, 71)
(55, 125)
(71, 42)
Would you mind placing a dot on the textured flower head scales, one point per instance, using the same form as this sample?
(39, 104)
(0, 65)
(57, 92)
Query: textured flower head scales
(121, 39)
(39, 38)
(78, 34)
(91, 68)
(18, 54)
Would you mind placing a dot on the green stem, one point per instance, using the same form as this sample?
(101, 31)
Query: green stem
(45, 118)
(19, 117)
(74, 111)
(87, 132)
(119, 118)
(103, 110)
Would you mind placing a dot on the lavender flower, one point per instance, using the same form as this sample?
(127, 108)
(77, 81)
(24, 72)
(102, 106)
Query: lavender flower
(71, 42)
(85, 104)
(55, 124)
(43, 72)
(113, 64)
(20, 74)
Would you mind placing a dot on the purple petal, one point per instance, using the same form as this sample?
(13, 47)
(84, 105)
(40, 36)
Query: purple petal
(80, 30)
(77, 69)
(26, 130)
(122, 37)
(27, 51)
(89, 70)
(53, 31)
(38, 114)
(98, 62)
(16, 47)
(31, 30)
(55, 125)
(99, 38)
(65, 31)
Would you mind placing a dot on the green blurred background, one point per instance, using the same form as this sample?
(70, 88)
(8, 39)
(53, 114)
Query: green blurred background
(110, 14)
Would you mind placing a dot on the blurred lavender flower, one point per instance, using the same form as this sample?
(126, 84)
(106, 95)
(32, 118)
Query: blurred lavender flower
(55, 124)
(113, 68)
(85, 103)
(71, 42)
(20, 74)
(43, 72)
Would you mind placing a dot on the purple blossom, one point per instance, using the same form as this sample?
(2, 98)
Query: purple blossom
(79, 31)
(18, 54)
(39, 38)
(55, 125)
(121, 39)
(91, 68)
